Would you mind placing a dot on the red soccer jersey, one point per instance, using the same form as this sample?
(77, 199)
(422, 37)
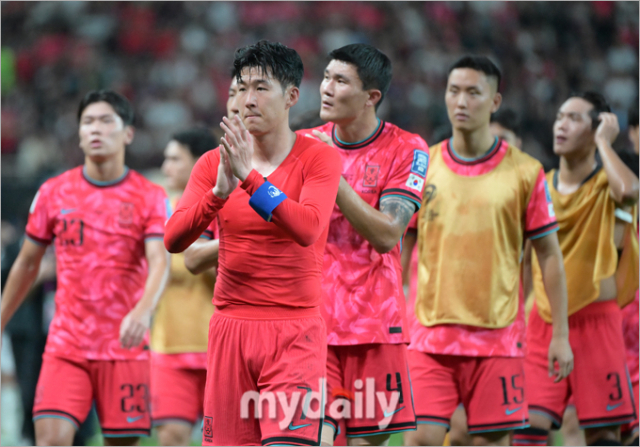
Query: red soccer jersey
(363, 299)
(99, 231)
(465, 340)
(275, 265)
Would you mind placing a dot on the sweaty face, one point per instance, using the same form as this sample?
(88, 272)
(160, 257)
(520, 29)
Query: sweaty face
(232, 108)
(177, 165)
(102, 133)
(507, 135)
(572, 133)
(471, 98)
(343, 98)
(262, 103)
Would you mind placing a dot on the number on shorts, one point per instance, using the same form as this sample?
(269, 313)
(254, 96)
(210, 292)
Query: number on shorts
(398, 386)
(516, 390)
(616, 385)
(129, 388)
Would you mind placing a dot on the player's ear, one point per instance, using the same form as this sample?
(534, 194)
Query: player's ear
(374, 98)
(497, 100)
(292, 95)
(129, 132)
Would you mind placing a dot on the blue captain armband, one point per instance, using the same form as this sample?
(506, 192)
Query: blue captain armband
(266, 199)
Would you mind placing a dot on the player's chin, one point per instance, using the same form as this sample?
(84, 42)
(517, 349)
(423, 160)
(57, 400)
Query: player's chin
(329, 115)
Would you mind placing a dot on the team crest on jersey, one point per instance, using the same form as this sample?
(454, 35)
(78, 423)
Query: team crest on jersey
(371, 173)
(126, 213)
(420, 162)
(415, 182)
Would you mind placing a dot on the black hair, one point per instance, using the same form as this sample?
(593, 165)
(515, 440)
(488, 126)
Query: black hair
(508, 119)
(633, 116)
(598, 102)
(479, 63)
(198, 140)
(120, 104)
(374, 67)
(273, 58)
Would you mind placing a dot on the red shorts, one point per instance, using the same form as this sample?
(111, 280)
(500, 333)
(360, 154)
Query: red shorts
(374, 379)
(274, 368)
(490, 388)
(599, 382)
(177, 394)
(120, 388)
(632, 427)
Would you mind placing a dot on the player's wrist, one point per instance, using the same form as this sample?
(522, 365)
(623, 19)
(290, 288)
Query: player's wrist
(219, 194)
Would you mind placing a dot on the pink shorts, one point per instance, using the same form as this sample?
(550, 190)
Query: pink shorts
(265, 380)
(599, 382)
(490, 388)
(177, 394)
(368, 376)
(66, 389)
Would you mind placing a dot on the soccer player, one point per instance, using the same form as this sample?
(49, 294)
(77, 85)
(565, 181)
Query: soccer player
(584, 194)
(107, 224)
(384, 168)
(266, 336)
(630, 324)
(483, 198)
(181, 322)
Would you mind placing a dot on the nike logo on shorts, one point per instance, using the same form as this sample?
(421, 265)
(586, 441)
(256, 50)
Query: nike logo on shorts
(295, 427)
(131, 420)
(613, 407)
(392, 413)
(509, 412)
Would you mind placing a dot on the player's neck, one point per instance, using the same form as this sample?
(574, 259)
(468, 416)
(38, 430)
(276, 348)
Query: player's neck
(473, 144)
(273, 147)
(573, 170)
(106, 171)
(358, 129)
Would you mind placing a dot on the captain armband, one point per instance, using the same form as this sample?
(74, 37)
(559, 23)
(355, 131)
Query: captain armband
(266, 199)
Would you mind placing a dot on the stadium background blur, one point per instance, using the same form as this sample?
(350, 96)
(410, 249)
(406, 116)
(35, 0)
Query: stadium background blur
(172, 60)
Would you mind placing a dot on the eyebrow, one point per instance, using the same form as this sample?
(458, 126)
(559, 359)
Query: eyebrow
(469, 87)
(255, 81)
(109, 115)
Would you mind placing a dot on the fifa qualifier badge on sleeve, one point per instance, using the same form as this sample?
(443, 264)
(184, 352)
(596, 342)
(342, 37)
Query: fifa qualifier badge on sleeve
(420, 162)
(547, 194)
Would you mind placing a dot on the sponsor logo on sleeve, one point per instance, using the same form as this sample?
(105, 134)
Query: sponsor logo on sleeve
(415, 182)
(420, 162)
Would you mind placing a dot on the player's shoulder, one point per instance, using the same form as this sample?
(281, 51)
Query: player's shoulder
(403, 139)
(525, 162)
(72, 175)
(325, 128)
(308, 148)
(141, 183)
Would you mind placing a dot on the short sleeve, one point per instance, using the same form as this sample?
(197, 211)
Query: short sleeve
(40, 224)
(159, 212)
(409, 172)
(540, 218)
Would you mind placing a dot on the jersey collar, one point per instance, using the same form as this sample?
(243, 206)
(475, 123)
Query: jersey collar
(104, 184)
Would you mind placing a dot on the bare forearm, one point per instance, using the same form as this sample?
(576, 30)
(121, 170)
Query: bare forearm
(155, 284)
(622, 180)
(201, 256)
(20, 279)
(553, 276)
(373, 225)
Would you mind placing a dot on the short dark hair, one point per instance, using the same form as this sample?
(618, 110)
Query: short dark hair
(508, 119)
(281, 62)
(120, 104)
(479, 63)
(598, 102)
(374, 67)
(197, 140)
(633, 116)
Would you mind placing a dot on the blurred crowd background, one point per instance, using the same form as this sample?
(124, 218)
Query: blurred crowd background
(173, 59)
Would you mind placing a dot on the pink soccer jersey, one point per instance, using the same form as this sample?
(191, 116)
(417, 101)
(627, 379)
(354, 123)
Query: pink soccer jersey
(99, 231)
(363, 300)
(464, 340)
